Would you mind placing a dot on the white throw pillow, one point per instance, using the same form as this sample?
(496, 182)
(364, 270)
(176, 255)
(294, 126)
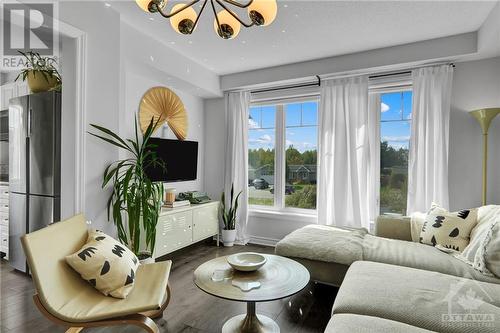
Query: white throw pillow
(492, 248)
(449, 230)
(106, 264)
(474, 253)
(417, 220)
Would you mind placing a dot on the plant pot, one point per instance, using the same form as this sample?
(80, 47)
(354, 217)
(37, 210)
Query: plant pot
(145, 258)
(38, 83)
(228, 237)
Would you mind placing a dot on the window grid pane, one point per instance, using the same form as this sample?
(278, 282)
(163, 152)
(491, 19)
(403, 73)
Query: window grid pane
(300, 150)
(395, 131)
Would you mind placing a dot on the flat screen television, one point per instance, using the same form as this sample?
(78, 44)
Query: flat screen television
(180, 157)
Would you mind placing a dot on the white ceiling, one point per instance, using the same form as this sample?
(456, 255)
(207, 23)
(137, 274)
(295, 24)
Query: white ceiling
(306, 30)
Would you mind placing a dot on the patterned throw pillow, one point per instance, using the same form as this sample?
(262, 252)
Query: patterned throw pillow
(446, 229)
(106, 264)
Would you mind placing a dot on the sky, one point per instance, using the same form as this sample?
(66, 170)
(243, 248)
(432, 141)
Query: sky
(395, 112)
(302, 119)
(301, 126)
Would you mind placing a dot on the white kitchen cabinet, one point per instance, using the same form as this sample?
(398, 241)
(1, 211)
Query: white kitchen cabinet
(4, 220)
(11, 90)
(181, 227)
(7, 91)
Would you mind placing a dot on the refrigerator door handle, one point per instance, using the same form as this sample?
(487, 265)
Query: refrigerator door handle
(30, 112)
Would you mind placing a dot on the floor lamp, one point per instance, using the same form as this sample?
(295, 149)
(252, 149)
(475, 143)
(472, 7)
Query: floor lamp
(484, 117)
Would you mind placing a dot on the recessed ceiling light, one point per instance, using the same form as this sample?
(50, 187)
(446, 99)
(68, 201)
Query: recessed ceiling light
(172, 42)
(107, 4)
(190, 42)
(285, 5)
(152, 58)
(296, 15)
(283, 31)
(151, 19)
(243, 42)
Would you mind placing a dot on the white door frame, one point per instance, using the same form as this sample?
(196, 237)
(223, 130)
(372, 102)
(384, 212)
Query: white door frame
(80, 38)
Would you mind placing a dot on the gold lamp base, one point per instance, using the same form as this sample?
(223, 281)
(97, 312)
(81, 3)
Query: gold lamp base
(484, 118)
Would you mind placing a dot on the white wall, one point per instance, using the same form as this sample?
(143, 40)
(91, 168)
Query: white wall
(476, 85)
(215, 140)
(68, 127)
(102, 28)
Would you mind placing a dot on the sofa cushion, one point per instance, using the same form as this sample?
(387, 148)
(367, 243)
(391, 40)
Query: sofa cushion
(450, 230)
(410, 254)
(425, 299)
(349, 323)
(323, 243)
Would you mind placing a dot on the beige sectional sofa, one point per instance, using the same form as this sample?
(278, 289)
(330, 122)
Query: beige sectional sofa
(390, 284)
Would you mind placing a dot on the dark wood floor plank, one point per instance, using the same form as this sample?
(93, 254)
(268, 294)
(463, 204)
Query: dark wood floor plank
(190, 310)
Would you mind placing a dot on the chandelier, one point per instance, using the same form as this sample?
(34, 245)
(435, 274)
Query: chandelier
(227, 24)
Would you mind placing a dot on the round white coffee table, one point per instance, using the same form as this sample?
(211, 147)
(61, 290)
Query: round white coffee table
(279, 278)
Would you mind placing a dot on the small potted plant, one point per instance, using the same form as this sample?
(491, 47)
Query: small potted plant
(229, 217)
(41, 72)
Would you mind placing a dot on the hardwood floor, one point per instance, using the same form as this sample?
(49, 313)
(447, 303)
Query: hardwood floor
(190, 309)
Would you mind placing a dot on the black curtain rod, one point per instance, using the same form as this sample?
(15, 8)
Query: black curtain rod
(397, 73)
(302, 85)
(389, 74)
(318, 83)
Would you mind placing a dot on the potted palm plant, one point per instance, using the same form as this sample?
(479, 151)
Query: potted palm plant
(229, 217)
(133, 194)
(41, 72)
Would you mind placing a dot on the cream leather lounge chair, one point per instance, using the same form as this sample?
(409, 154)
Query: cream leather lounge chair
(66, 299)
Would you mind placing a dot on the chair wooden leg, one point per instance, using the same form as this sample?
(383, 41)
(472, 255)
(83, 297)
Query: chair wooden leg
(138, 320)
(74, 330)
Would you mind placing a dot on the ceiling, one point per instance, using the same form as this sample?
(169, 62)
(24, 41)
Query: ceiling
(306, 30)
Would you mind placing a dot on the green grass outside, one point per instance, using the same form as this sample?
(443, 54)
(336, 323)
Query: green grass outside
(261, 201)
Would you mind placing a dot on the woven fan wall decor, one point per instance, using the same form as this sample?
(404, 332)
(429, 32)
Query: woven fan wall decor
(162, 103)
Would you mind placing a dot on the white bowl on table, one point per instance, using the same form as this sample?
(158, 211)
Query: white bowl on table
(246, 261)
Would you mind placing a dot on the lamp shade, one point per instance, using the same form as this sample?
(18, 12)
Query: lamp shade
(183, 22)
(229, 26)
(263, 12)
(485, 116)
(145, 5)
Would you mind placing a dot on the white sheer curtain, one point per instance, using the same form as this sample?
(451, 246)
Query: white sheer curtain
(428, 160)
(346, 188)
(236, 166)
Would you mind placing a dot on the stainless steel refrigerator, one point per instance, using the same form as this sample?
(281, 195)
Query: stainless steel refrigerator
(34, 168)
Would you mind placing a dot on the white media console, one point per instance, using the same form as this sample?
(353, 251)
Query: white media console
(181, 227)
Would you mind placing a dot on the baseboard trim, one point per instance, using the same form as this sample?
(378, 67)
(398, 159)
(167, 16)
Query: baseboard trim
(263, 241)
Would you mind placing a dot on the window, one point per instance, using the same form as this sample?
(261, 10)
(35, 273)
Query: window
(395, 127)
(282, 155)
(261, 155)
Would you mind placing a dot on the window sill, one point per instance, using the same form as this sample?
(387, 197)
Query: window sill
(284, 215)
